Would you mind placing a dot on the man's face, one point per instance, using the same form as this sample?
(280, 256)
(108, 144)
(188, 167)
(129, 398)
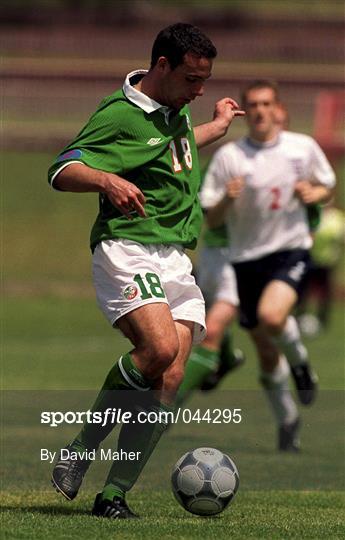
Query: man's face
(181, 85)
(261, 107)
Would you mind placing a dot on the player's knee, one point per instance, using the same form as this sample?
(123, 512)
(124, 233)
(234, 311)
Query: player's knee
(159, 356)
(271, 321)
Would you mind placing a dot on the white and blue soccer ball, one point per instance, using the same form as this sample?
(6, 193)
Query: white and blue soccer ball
(204, 481)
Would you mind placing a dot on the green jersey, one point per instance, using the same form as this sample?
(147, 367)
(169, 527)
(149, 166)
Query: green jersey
(154, 148)
(314, 216)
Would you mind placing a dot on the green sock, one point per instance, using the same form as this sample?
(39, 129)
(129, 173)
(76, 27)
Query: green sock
(226, 354)
(110, 491)
(200, 364)
(140, 438)
(123, 376)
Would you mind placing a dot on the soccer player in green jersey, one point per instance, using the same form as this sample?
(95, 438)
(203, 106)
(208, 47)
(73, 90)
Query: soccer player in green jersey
(139, 152)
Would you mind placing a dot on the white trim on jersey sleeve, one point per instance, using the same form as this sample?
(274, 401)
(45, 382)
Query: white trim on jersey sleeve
(60, 169)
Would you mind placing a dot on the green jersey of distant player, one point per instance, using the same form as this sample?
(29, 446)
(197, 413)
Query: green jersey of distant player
(217, 237)
(329, 240)
(156, 152)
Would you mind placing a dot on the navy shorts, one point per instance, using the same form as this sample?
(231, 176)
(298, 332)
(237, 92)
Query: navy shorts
(253, 276)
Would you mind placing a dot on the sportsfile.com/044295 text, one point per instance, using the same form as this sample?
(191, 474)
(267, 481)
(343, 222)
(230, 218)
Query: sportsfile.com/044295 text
(120, 416)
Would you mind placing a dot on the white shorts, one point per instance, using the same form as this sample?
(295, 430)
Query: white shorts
(216, 277)
(128, 275)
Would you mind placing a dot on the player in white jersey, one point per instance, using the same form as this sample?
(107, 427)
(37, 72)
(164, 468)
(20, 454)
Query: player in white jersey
(261, 186)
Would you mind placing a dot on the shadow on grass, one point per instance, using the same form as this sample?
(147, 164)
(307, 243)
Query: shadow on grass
(62, 511)
(47, 510)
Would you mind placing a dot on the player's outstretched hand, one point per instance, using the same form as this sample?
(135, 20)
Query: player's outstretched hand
(224, 112)
(125, 196)
(226, 109)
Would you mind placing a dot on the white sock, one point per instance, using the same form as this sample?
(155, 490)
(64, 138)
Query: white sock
(289, 342)
(276, 386)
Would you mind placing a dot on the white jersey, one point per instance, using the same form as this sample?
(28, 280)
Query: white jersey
(267, 216)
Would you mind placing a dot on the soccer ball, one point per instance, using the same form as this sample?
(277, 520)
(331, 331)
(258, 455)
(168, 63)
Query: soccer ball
(204, 481)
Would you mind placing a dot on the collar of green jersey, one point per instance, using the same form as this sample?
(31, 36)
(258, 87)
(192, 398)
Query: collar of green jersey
(138, 98)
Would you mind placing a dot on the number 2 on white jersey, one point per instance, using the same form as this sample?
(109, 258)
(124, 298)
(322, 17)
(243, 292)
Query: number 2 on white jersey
(275, 200)
(187, 155)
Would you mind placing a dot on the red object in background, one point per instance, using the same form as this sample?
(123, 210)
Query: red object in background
(329, 124)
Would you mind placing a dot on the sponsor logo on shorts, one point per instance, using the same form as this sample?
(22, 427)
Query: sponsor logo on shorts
(130, 292)
(297, 271)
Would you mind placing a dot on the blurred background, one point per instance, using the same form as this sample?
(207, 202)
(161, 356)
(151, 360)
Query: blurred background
(61, 57)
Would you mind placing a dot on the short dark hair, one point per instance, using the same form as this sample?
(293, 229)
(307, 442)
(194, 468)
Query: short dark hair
(257, 85)
(179, 39)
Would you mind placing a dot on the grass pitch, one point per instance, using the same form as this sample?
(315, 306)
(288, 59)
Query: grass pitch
(55, 360)
(273, 515)
(56, 349)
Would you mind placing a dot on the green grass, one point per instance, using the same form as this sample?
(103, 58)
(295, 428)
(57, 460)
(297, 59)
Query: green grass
(57, 351)
(271, 515)
(56, 348)
(70, 332)
(39, 222)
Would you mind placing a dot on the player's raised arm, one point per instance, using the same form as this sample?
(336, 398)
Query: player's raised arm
(124, 195)
(225, 111)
